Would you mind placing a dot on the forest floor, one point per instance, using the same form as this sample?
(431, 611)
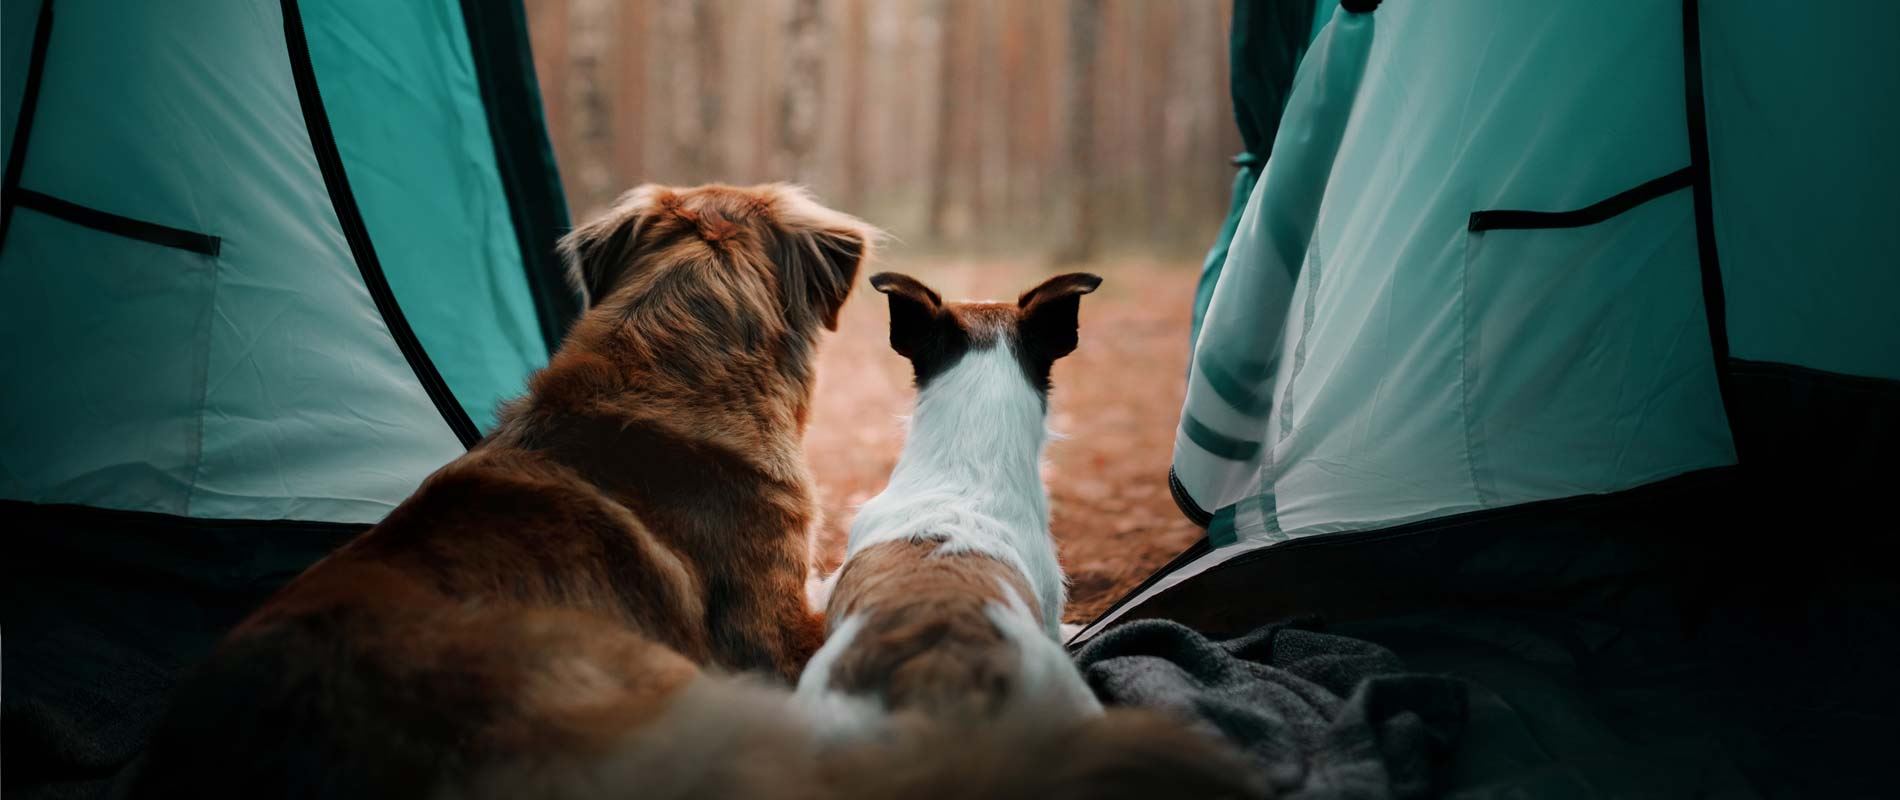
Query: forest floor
(1115, 403)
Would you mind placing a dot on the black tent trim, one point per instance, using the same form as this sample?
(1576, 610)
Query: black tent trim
(108, 222)
(1714, 299)
(504, 68)
(1810, 432)
(1199, 548)
(1599, 211)
(158, 520)
(1531, 510)
(1685, 483)
(330, 161)
(219, 563)
(1184, 501)
(23, 125)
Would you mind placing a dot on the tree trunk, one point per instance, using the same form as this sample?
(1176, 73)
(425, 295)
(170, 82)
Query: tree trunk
(630, 101)
(1085, 21)
(801, 96)
(590, 22)
(853, 152)
(942, 167)
(696, 91)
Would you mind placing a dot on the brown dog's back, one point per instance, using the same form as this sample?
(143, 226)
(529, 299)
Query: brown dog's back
(553, 595)
(440, 641)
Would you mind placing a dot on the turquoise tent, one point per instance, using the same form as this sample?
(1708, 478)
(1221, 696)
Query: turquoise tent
(1551, 345)
(265, 265)
(1556, 345)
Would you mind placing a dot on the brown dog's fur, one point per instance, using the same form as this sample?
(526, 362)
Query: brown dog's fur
(642, 514)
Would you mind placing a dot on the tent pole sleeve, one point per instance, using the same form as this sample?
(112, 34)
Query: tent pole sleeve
(350, 217)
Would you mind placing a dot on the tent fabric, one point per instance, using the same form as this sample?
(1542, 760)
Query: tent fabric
(407, 111)
(1413, 359)
(1667, 641)
(1580, 390)
(24, 28)
(524, 156)
(267, 385)
(1265, 44)
(1803, 108)
(363, 301)
(266, 265)
(1505, 299)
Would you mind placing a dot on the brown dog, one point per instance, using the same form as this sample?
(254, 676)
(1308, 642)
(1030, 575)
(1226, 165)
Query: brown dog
(537, 617)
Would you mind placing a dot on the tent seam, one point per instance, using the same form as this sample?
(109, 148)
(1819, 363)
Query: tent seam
(1312, 272)
(1468, 332)
(1714, 297)
(350, 219)
(202, 367)
(23, 122)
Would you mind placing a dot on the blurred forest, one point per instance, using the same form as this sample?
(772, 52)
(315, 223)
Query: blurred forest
(1059, 129)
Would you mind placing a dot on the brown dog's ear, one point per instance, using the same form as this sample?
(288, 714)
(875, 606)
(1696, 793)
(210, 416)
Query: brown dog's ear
(1049, 314)
(915, 310)
(818, 253)
(599, 253)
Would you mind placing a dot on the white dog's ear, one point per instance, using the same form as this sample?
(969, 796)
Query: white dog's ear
(818, 253)
(1050, 314)
(916, 326)
(599, 253)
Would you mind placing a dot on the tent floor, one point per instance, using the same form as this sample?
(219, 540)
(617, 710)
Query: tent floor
(1643, 700)
(1643, 644)
(1679, 640)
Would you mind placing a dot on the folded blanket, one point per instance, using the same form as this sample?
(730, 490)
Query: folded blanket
(1324, 716)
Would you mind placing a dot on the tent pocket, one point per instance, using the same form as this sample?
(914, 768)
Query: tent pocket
(106, 366)
(1587, 366)
(108, 222)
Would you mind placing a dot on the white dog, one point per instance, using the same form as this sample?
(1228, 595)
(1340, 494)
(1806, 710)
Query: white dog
(950, 598)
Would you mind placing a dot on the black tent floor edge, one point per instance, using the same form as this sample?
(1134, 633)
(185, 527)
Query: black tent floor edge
(1714, 296)
(349, 216)
(21, 509)
(1668, 486)
(1742, 366)
(1199, 548)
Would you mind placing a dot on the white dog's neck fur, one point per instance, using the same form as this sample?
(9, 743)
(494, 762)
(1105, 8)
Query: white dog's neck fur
(970, 474)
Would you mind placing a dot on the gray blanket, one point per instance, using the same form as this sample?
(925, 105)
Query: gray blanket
(1324, 716)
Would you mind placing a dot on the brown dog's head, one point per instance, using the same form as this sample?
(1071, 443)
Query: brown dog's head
(1039, 327)
(741, 262)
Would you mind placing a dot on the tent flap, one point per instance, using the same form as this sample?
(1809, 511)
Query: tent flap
(403, 103)
(1499, 296)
